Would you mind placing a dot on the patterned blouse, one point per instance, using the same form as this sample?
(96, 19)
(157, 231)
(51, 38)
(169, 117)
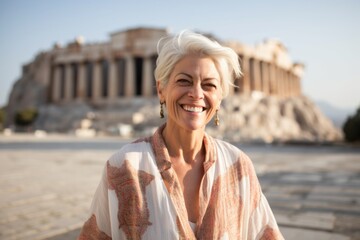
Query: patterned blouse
(140, 197)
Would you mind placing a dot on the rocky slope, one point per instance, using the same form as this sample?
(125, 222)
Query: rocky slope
(264, 119)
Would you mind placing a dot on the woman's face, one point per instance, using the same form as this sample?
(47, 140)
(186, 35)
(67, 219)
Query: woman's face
(193, 93)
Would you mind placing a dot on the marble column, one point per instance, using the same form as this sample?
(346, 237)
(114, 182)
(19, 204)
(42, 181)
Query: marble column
(292, 84)
(56, 85)
(277, 80)
(113, 76)
(96, 94)
(245, 85)
(129, 76)
(68, 82)
(256, 77)
(285, 83)
(281, 82)
(265, 78)
(288, 84)
(81, 91)
(272, 77)
(147, 80)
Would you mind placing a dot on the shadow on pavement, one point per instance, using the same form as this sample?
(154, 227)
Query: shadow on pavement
(71, 235)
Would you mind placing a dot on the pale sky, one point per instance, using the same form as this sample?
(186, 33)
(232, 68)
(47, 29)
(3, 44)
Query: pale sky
(324, 35)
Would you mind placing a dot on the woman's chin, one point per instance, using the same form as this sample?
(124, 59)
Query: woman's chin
(194, 126)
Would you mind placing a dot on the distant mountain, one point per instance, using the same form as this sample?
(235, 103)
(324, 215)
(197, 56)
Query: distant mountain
(337, 115)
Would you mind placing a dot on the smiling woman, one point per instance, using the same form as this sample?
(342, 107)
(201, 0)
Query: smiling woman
(192, 94)
(181, 183)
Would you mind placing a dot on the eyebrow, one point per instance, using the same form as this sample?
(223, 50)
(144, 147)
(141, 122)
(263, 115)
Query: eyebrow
(188, 75)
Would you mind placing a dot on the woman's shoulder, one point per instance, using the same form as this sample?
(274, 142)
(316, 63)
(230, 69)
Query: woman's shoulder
(230, 149)
(234, 156)
(227, 146)
(131, 151)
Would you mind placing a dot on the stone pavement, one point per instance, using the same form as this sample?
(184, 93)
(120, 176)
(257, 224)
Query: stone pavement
(313, 191)
(46, 186)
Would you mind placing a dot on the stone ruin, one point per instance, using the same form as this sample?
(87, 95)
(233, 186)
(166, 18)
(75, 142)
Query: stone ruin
(109, 88)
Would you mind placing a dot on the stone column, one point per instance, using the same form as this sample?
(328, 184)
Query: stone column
(277, 80)
(96, 94)
(68, 82)
(292, 84)
(281, 82)
(286, 76)
(256, 80)
(81, 91)
(289, 84)
(272, 77)
(113, 86)
(147, 83)
(285, 83)
(56, 85)
(129, 76)
(265, 78)
(245, 86)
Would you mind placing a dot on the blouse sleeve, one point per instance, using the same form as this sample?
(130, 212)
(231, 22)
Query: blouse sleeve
(98, 225)
(262, 223)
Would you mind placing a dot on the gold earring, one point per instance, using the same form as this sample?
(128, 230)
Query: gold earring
(161, 110)
(217, 119)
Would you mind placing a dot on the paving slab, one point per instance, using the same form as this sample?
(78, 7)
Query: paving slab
(297, 234)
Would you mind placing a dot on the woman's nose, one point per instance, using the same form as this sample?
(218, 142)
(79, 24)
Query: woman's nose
(196, 91)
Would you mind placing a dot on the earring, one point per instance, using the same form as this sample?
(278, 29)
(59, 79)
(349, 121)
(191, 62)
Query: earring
(161, 110)
(217, 119)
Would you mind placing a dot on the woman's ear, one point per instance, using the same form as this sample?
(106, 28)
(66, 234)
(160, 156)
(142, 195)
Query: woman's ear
(159, 90)
(219, 105)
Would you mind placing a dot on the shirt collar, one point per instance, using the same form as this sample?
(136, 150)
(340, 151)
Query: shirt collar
(162, 155)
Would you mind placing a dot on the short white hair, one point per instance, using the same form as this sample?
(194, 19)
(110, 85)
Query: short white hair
(172, 49)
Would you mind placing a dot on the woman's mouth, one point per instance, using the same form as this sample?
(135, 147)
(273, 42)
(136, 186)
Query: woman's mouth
(192, 108)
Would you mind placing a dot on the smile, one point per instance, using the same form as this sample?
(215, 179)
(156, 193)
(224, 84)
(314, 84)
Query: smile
(193, 109)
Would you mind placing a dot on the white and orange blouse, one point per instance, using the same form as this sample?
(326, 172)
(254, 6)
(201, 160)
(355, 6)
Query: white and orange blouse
(139, 196)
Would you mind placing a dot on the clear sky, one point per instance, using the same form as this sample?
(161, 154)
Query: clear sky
(324, 35)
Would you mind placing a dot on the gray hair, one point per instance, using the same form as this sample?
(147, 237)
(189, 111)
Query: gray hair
(172, 49)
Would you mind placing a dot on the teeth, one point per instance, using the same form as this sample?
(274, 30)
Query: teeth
(193, 109)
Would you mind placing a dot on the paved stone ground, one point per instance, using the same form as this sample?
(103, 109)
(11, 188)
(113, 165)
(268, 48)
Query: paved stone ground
(46, 186)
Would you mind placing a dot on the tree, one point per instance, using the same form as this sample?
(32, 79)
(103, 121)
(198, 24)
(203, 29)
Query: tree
(351, 127)
(25, 117)
(2, 118)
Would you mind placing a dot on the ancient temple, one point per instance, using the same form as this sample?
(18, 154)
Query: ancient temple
(112, 72)
(104, 72)
(123, 67)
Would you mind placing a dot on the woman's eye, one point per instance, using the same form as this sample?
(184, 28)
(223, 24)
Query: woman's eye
(183, 81)
(210, 85)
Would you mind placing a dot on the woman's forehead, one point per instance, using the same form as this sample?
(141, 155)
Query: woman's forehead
(192, 65)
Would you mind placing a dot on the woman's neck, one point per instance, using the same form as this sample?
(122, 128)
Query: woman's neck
(182, 144)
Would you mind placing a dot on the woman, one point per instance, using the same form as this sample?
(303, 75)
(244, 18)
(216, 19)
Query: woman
(181, 183)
